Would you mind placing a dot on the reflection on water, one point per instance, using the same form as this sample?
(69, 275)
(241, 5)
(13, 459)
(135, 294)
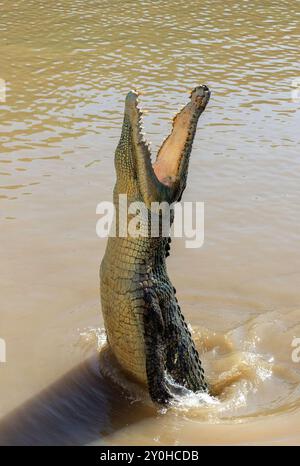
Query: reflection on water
(67, 67)
(78, 409)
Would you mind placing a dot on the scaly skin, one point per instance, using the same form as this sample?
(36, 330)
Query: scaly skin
(145, 327)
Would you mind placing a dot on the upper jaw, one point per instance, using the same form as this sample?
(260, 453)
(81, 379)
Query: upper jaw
(135, 115)
(132, 109)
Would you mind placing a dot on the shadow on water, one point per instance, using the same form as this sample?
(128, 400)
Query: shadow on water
(81, 407)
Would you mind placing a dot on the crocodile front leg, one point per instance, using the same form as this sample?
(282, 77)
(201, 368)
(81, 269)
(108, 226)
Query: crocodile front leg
(182, 358)
(169, 346)
(154, 337)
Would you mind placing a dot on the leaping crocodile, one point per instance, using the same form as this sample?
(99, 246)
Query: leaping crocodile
(145, 328)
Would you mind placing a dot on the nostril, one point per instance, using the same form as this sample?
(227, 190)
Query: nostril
(205, 87)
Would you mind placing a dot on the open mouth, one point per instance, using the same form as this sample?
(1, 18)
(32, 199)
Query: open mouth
(172, 158)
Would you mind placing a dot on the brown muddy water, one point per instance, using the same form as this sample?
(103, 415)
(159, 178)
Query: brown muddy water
(67, 67)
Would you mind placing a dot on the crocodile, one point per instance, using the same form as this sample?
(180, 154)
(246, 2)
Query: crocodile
(145, 329)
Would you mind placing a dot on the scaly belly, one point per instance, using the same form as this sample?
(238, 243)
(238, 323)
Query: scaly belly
(124, 327)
